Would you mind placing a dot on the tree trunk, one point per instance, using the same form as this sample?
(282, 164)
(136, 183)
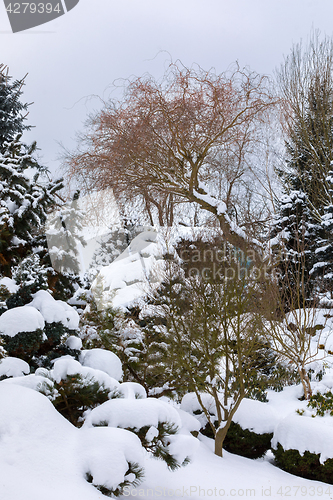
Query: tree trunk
(305, 382)
(219, 439)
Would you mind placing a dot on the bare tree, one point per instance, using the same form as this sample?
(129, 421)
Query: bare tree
(294, 322)
(168, 142)
(305, 81)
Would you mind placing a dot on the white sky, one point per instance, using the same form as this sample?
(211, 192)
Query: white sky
(83, 52)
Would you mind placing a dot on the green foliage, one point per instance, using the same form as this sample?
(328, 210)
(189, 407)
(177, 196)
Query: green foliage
(241, 441)
(322, 403)
(76, 394)
(245, 442)
(133, 469)
(307, 465)
(4, 293)
(24, 345)
(157, 444)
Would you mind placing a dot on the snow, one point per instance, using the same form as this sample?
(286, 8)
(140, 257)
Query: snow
(133, 413)
(132, 390)
(20, 319)
(256, 416)
(104, 360)
(13, 367)
(67, 365)
(105, 454)
(43, 456)
(55, 310)
(188, 422)
(303, 433)
(10, 284)
(74, 343)
(36, 381)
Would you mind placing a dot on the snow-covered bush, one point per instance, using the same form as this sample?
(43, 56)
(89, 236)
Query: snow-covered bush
(303, 446)
(76, 389)
(22, 331)
(250, 432)
(112, 459)
(13, 367)
(43, 446)
(155, 423)
(37, 331)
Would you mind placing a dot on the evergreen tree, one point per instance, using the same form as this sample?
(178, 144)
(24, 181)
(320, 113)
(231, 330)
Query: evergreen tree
(323, 266)
(310, 147)
(12, 111)
(24, 200)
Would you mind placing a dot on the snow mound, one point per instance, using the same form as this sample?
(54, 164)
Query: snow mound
(104, 360)
(74, 343)
(132, 390)
(20, 319)
(42, 455)
(13, 367)
(256, 416)
(189, 423)
(105, 454)
(35, 381)
(305, 434)
(54, 311)
(183, 447)
(67, 365)
(133, 413)
(190, 404)
(10, 284)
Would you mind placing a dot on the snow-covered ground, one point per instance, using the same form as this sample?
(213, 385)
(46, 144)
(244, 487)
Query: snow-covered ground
(42, 455)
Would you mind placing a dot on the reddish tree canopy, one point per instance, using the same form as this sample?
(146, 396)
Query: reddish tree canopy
(165, 140)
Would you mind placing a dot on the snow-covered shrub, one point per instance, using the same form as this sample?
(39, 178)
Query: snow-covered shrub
(29, 276)
(21, 330)
(104, 360)
(250, 432)
(13, 367)
(76, 389)
(75, 395)
(155, 423)
(304, 465)
(112, 459)
(245, 442)
(303, 446)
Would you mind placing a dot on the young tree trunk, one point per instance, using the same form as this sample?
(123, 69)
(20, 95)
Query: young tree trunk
(219, 439)
(305, 382)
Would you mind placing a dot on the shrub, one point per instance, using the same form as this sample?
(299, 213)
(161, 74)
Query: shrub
(322, 403)
(133, 470)
(76, 394)
(156, 440)
(243, 442)
(24, 345)
(307, 465)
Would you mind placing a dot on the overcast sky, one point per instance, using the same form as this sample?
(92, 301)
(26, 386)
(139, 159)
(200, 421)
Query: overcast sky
(81, 53)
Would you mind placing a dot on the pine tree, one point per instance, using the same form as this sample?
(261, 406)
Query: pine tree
(24, 202)
(293, 236)
(12, 111)
(323, 266)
